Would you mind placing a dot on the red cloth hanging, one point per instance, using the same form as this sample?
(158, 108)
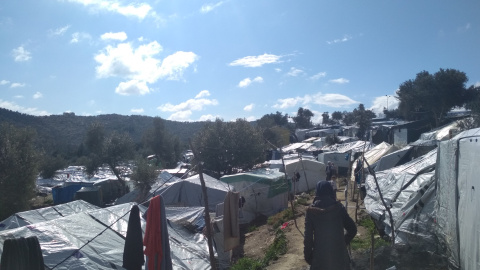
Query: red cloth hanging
(153, 234)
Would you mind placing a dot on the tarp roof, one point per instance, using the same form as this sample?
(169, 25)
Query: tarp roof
(61, 237)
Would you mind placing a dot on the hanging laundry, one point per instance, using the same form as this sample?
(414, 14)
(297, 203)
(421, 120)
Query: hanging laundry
(133, 258)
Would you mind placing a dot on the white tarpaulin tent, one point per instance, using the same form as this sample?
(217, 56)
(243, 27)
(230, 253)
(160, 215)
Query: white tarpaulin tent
(372, 156)
(392, 159)
(61, 237)
(458, 217)
(408, 191)
(337, 153)
(265, 192)
(184, 192)
(311, 171)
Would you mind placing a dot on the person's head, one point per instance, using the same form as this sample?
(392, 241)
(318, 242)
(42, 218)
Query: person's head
(324, 189)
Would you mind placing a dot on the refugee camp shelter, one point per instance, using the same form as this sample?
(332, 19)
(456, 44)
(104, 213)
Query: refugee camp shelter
(372, 156)
(61, 237)
(458, 221)
(310, 170)
(409, 191)
(338, 153)
(265, 192)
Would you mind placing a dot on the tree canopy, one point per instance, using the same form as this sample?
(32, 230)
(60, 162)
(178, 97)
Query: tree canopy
(18, 169)
(224, 146)
(431, 96)
(363, 118)
(303, 118)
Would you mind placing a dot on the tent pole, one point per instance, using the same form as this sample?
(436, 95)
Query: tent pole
(207, 210)
(304, 173)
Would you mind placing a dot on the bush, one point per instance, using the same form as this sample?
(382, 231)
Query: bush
(247, 264)
(278, 219)
(279, 247)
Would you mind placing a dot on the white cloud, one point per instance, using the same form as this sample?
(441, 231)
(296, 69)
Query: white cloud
(141, 64)
(251, 118)
(180, 116)
(384, 102)
(183, 110)
(331, 100)
(477, 84)
(139, 111)
(191, 104)
(247, 81)
(18, 96)
(339, 81)
(140, 10)
(256, 61)
(121, 36)
(17, 85)
(132, 87)
(318, 75)
(80, 36)
(203, 93)
(294, 72)
(3, 82)
(464, 28)
(37, 95)
(344, 39)
(21, 55)
(59, 31)
(15, 107)
(249, 107)
(209, 7)
(278, 70)
(207, 117)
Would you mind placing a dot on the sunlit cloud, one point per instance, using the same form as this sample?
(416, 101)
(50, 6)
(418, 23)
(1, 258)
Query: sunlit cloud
(249, 107)
(256, 61)
(18, 96)
(278, 70)
(207, 117)
(15, 107)
(80, 36)
(477, 84)
(132, 87)
(247, 81)
(138, 111)
(4, 82)
(17, 85)
(209, 7)
(203, 93)
(380, 103)
(59, 31)
(464, 28)
(183, 110)
(251, 118)
(139, 10)
(20, 54)
(339, 81)
(318, 76)
(331, 100)
(294, 72)
(121, 36)
(37, 95)
(141, 65)
(344, 39)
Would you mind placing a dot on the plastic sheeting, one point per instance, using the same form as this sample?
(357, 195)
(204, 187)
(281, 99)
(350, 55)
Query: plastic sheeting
(265, 192)
(311, 171)
(337, 153)
(372, 156)
(392, 159)
(60, 238)
(458, 202)
(408, 192)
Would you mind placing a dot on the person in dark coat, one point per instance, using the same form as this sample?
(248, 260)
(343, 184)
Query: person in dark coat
(325, 244)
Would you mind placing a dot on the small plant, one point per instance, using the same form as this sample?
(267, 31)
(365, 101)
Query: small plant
(252, 228)
(247, 264)
(302, 201)
(278, 219)
(279, 247)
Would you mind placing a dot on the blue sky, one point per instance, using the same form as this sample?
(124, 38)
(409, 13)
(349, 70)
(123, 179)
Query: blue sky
(190, 60)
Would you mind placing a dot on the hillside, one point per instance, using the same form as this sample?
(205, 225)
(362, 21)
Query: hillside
(66, 132)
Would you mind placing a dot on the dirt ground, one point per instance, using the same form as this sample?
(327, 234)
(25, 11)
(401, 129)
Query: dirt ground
(256, 243)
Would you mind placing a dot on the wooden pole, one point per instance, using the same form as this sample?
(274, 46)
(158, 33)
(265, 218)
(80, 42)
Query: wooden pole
(286, 182)
(208, 223)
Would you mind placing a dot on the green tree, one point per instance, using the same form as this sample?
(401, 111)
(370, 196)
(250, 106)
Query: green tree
(337, 116)
(431, 96)
(166, 147)
(144, 176)
(223, 146)
(50, 164)
(348, 118)
(18, 169)
(325, 118)
(473, 95)
(303, 118)
(275, 128)
(363, 119)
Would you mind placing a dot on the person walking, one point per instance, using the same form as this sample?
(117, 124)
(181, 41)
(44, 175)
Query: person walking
(325, 244)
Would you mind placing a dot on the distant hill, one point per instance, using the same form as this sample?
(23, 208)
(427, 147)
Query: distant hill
(66, 132)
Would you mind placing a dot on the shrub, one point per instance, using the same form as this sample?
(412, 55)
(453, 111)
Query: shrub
(247, 264)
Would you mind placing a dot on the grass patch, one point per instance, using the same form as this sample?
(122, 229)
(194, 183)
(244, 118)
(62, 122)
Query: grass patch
(303, 201)
(252, 228)
(247, 264)
(363, 243)
(278, 219)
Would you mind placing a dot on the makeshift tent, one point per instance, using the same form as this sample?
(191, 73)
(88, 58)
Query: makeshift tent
(66, 192)
(265, 192)
(61, 237)
(458, 221)
(408, 190)
(91, 195)
(338, 153)
(186, 192)
(372, 156)
(310, 171)
(392, 159)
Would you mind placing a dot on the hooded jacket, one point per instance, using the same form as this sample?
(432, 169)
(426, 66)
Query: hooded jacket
(325, 245)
